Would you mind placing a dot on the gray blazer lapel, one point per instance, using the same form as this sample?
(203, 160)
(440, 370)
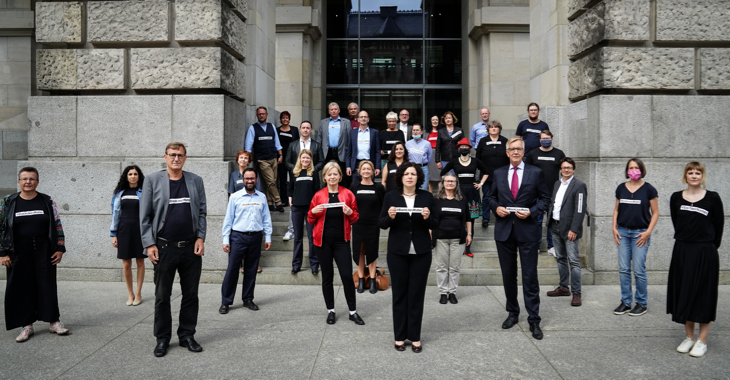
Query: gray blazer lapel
(568, 191)
(192, 193)
(165, 184)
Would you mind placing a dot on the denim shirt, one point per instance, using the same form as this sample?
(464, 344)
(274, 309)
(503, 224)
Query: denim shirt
(117, 209)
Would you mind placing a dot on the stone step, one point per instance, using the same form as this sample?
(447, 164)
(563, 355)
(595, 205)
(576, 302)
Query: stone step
(478, 245)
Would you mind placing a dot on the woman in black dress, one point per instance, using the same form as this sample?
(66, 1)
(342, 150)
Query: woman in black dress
(465, 169)
(287, 134)
(407, 213)
(398, 155)
(126, 237)
(698, 218)
(492, 152)
(365, 232)
(305, 182)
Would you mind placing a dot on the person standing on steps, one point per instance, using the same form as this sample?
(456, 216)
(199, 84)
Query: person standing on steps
(263, 141)
(531, 128)
(491, 152)
(332, 136)
(448, 137)
(363, 145)
(287, 134)
(302, 190)
(389, 137)
(365, 232)
(419, 151)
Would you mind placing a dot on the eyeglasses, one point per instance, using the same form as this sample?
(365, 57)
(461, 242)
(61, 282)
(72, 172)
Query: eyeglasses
(449, 181)
(27, 180)
(175, 155)
(515, 149)
(566, 169)
(249, 179)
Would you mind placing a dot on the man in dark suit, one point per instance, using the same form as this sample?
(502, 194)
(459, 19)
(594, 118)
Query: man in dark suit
(332, 136)
(566, 214)
(364, 144)
(519, 195)
(172, 213)
(305, 142)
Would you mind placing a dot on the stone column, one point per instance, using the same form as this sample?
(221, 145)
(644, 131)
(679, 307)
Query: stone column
(549, 52)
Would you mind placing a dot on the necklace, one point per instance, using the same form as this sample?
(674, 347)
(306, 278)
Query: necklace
(409, 195)
(467, 160)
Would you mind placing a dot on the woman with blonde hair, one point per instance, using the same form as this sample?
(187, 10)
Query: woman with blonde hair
(365, 232)
(389, 137)
(698, 218)
(305, 182)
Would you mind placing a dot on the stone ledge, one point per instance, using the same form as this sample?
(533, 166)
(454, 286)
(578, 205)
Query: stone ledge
(693, 20)
(486, 20)
(187, 68)
(210, 20)
(124, 21)
(632, 68)
(715, 69)
(58, 22)
(239, 7)
(623, 20)
(577, 7)
(80, 69)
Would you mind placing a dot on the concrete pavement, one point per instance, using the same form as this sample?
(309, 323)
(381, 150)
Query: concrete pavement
(288, 338)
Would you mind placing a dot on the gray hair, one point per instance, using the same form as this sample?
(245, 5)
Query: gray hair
(442, 190)
(391, 115)
(333, 104)
(358, 107)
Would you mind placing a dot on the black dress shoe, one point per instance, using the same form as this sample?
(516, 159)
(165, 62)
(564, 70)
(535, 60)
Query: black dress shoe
(250, 305)
(361, 285)
(271, 208)
(315, 271)
(373, 286)
(161, 349)
(191, 344)
(400, 347)
(224, 309)
(485, 224)
(443, 300)
(509, 322)
(295, 271)
(356, 318)
(536, 332)
(417, 349)
(280, 208)
(331, 318)
(452, 298)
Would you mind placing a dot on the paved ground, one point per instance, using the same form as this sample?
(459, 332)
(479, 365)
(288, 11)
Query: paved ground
(288, 338)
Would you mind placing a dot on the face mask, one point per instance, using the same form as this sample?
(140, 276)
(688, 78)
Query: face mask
(464, 151)
(546, 143)
(634, 174)
(416, 137)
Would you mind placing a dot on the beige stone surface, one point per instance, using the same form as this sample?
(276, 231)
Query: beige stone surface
(693, 20)
(625, 20)
(123, 21)
(210, 20)
(99, 69)
(715, 69)
(17, 19)
(56, 69)
(58, 22)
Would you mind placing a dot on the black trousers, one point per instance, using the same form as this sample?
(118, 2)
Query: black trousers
(283, 177)
(299, 220)
(31, 293)
(188, 265)
(339, 250)
(333, 156)
(507, 251)
(247, 248)
(408, 277)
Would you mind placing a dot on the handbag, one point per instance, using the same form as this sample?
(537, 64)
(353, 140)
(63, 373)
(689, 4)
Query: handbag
(382, 281)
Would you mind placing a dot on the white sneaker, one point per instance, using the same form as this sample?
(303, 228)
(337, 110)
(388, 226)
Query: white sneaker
(287, 236)
(699, 349)
(686, 345)
(551, 252)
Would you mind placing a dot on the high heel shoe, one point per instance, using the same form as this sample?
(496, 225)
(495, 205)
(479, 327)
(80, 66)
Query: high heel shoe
(373, 286)
(361, 285)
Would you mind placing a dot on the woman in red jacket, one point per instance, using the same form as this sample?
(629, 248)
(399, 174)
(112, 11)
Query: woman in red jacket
(332, 211)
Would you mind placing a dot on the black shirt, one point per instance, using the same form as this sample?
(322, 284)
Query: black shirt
(549, 162)
(634, 209)
(391, 167)
(698, 222)
(369, 199)
(531, 133)
(493, 154)
(466, 174)
(334, 220)
(387, 139)
(286, 138)
(178, 224)
(303, 188)
(130, 205)
(31, 217)
(451, 216)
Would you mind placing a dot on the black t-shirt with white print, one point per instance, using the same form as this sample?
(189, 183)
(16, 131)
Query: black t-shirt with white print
(31, 217)
(179, 221)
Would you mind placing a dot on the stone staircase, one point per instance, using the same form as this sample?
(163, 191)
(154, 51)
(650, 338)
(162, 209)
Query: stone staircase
(482, 269)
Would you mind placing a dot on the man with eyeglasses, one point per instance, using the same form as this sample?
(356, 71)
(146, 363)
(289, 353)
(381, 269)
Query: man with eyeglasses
(518, 195)
(364, 144)
(246, 223)
(172, 213)
(531, 128)
(263, 141)
(566, 213)
(403, 125)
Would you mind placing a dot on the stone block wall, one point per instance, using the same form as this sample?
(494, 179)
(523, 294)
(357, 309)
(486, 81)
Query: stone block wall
(603, 46)
(549, 50)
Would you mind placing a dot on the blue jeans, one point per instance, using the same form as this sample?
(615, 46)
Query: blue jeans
(425, 178)
(632, 257)
(486, 212)
(567, 252)
(549, 233)
(443, 165)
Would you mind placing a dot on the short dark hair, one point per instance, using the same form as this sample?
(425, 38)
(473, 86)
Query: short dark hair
(533, 104)
(306, 121)
(568, 160)
(402, 169)
(248, 170)
(284, 113)
(176, 145)
(419, 126)
(29, 169)
(547, 132)
(391, 156)
(261, 108)
(642, 167)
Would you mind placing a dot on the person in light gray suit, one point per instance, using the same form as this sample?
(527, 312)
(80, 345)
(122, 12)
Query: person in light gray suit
(332, 135)
(172, 213)
(566, 212)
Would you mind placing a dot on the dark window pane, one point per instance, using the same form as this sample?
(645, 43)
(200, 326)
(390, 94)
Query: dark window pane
(343, 97)
(443, 19)
(379, 102)
(440, 101)
(391, 19)
(443, 62)
(392, 62)
(342, 62)
(341, 18)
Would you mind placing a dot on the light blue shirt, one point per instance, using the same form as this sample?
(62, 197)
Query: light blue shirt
(247, 213)
(363, 144)
(334, 132)
(510, 173)
(419, 152)
(478, 131)
(251, 134)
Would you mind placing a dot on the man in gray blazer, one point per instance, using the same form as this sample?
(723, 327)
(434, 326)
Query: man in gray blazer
(332, 136)
(306, 142)
(172, 213)
(566, 213)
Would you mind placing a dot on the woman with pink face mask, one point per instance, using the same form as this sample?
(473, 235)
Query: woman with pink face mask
(634, 219)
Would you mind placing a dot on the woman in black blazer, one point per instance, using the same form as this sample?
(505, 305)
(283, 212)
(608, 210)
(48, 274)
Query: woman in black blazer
(409, 260)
